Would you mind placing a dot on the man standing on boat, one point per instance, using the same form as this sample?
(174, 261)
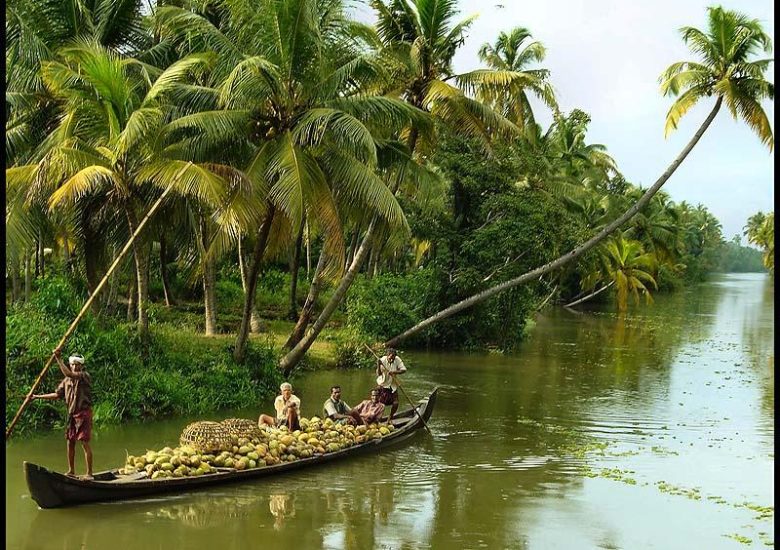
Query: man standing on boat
(76, 390)
(387, 368)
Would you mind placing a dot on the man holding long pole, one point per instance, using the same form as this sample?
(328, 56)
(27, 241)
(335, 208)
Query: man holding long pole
(387, 368)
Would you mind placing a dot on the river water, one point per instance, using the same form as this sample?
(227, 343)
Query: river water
(650, 430)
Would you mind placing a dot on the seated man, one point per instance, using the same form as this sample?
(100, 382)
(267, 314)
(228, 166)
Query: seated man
(338, 411)
(371, 410)
(287, 408)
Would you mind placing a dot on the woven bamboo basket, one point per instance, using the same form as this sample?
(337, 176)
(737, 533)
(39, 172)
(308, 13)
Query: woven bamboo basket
(242, 427)
(206, 436)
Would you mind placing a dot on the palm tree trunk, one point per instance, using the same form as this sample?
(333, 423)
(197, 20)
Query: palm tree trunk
(141, 257)
(294, 266)
(209, 278)
(308, 307)
(353, 246)
(251, 284)
(42, 257)
(164, 271)
(143, 289)
(589, 296)
(210, 295)
(37, 255)
(132, 297)
(293, 357)
(28, 272)
(254, 320)
(572, 255)
(308, 251)
(16, 281)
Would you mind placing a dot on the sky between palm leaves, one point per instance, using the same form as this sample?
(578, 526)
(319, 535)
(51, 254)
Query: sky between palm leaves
(605, 58)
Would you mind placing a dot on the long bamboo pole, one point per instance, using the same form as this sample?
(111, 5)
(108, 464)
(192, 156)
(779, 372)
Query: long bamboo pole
(400, 387)
(89, 301)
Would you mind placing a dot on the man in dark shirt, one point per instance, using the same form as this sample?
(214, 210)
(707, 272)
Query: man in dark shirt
(76, 390)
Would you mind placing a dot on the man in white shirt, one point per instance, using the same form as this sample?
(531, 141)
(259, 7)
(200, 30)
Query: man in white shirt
(288, 410)
(387, 368)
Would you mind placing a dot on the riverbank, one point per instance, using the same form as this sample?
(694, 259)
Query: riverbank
(654, 428)
(176, 372)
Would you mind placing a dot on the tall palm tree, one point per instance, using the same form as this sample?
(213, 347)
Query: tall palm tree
(727, 72)
(418, 40)
(513, 52)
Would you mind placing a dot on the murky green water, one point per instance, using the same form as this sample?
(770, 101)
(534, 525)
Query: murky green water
(653, 430)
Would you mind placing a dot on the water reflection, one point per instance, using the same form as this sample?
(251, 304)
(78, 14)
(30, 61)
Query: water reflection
(281, 506)
(504, 468)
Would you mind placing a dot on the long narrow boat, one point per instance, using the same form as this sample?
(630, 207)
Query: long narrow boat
(53, 490)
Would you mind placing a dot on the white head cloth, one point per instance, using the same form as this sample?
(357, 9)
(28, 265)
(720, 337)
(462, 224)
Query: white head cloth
(76, 359)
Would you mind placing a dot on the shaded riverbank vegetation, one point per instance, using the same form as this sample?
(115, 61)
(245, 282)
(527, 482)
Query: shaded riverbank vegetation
(331, 181)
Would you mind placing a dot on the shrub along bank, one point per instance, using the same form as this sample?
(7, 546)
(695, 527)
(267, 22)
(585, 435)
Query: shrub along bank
(175, 372)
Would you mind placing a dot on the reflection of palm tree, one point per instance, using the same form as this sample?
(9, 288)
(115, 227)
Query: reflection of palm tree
(758, 337)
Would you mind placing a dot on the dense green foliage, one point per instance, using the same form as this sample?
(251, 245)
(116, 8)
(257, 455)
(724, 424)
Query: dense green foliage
(174, 373)
(760, 230)
(288, 133)
(735, 258)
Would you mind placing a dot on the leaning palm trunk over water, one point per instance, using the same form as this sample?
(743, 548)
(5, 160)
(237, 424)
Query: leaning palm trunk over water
(572, 255)
(289, 361)
(591, 295)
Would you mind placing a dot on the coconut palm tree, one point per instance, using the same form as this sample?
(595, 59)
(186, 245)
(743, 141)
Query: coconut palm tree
(513, 52)
(417, 41)
(626, 266)
(292, 100)
(727, 71)
(109, 145)
(760, 230)
(35, 31)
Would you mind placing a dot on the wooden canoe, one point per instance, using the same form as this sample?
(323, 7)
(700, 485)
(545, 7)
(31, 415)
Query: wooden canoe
(54, 490)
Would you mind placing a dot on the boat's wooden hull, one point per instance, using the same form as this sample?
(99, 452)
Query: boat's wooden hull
(53, 490)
